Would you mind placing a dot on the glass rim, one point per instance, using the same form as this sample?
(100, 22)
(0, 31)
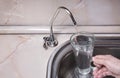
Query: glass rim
(82, 33)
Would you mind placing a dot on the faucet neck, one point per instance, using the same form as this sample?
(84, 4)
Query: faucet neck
(54, 18)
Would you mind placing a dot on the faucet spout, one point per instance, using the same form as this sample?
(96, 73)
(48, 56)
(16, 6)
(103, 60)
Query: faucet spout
(51, 41)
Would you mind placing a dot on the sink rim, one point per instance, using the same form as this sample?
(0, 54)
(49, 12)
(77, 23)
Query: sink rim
(53, 56)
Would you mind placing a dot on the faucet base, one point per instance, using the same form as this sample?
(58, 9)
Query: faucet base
(49, 42)
(52, 43)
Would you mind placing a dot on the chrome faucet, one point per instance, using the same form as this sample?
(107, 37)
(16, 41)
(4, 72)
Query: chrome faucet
(51, 40)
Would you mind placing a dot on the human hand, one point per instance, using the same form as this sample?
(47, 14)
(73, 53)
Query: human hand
(106, 65)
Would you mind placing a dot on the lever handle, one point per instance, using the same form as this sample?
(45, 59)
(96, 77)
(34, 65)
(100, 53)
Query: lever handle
(45, 43)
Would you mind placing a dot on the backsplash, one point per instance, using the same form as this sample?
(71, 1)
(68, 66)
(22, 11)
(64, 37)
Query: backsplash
(39, 12)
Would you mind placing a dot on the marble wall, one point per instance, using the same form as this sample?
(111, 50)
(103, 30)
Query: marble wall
(39, 12)
(23, 56)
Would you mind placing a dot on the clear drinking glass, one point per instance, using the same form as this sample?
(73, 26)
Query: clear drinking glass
(83, 44)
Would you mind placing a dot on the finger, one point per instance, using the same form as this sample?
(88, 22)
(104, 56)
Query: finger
(97, 77)
(106, 73)
(100, 73)
(95, 71)
(100, 61)
(97, 65)
(102, 56)
(103, 69)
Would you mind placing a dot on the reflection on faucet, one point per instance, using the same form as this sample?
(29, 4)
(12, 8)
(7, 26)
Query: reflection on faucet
(51, 41)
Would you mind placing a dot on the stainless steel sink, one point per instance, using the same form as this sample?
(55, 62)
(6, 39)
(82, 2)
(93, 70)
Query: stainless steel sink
(62, 62)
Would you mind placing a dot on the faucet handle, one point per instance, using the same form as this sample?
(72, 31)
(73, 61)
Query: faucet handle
(49, 42)
(45, 43)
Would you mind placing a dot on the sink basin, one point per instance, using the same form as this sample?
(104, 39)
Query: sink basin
(62, 62)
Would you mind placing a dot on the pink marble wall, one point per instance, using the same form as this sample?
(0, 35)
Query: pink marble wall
(23, 56)
(39, 12)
